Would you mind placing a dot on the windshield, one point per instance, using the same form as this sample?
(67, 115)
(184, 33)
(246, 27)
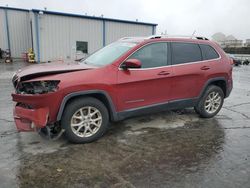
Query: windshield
(108, 54)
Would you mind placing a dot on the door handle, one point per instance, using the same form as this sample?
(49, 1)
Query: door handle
(205, 68)
(162, 73)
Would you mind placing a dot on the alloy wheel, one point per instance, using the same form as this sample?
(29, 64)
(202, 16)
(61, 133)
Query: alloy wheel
(213, 102)
(86, 121)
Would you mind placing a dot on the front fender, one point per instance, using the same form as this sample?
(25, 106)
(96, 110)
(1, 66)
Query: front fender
(111, 107)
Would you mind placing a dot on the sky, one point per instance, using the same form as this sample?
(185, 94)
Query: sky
(174, 17)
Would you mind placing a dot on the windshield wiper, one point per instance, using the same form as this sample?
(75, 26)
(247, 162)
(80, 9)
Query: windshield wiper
(78, 60)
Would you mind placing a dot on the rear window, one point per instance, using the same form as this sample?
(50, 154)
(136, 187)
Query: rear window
(185, 52)
(208, 52)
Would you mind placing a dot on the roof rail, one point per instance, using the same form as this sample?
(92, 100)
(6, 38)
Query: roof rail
(177, 36)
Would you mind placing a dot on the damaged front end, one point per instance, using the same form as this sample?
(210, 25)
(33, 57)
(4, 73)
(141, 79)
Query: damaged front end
(37, 87)
(28, 119)
(35, 107)
(38, 96)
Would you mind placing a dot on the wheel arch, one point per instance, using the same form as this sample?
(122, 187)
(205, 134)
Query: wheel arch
(220, 82)
(98, 94)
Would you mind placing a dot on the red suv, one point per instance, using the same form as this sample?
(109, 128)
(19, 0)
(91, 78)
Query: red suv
(130, 77)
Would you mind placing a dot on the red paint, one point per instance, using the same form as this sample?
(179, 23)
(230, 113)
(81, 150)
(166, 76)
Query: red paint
(127, 88)
(25, 117)
(51, 67)
(132, 63)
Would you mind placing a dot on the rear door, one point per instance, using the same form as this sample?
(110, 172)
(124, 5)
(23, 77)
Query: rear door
(149, 84)
(189, 70)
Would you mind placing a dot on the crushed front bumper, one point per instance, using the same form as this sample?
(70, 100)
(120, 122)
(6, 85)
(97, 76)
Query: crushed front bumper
(33, 112)
(30, 119)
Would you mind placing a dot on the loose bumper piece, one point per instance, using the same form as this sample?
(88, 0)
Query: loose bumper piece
(30, 119)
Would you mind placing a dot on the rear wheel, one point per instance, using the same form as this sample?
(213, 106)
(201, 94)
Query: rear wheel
(211, 102)
(85, 120)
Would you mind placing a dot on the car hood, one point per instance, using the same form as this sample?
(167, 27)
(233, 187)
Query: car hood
(44, 69)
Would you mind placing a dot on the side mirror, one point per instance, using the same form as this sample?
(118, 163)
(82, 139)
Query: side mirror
(131, 64)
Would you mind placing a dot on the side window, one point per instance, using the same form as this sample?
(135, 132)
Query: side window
(185, 52)
(208, 52)
(152, 55)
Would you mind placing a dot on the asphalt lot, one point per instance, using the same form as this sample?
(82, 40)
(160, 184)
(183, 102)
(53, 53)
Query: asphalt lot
(168, 149)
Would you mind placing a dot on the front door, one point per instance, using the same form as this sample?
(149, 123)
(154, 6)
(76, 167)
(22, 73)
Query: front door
(149, 84)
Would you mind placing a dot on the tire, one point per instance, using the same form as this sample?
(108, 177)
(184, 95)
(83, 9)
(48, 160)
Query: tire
(211, 102)
(85, 120)
(196, 109)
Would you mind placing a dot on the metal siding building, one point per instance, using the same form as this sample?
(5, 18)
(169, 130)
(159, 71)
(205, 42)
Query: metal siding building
(15, 30)
(116, 30)
(3, 38)
(58, 36)
(55, 34)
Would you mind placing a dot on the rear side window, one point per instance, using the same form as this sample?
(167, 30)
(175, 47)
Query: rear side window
(185, 52)
(152, 55)
(208, 52)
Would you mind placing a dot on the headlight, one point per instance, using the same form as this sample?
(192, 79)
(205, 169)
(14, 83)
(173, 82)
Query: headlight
(37, 87)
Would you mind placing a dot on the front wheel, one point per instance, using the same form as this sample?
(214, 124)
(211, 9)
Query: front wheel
(211, 102)
(85, 120)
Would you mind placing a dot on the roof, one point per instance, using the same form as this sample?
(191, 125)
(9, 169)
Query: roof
(92, 17)
(80, 16)
(12, 8)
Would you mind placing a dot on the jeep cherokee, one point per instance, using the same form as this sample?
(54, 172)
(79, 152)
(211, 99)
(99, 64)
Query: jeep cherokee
(130, 77)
